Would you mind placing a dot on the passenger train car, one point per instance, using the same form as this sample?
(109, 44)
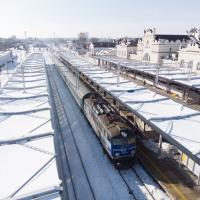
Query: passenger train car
(116, 135)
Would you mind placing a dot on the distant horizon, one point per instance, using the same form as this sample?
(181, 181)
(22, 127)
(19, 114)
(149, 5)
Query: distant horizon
(103, 37)
(103, 19)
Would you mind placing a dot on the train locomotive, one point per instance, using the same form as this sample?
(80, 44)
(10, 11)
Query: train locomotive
(115, 134)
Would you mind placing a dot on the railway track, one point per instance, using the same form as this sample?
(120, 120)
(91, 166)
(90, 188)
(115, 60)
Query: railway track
(77, 181)
(137, 187)
(140, 185)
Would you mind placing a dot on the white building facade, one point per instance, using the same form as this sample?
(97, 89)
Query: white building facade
(190, 56)
(154, 47)
(102, 48)
(126, 48)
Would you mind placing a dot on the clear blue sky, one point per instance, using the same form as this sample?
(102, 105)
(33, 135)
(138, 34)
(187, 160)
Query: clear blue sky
(101, 18)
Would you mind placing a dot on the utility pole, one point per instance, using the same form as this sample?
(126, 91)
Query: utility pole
(53, 47)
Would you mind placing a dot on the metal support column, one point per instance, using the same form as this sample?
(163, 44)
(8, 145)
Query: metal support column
(180, 159)
(156, 77)
(23, 78)
(183, 94)
(144, 128)
(7, 68)
(0, 80)
(160, 145)
(77, 80)
(118, 71)
(198, 180)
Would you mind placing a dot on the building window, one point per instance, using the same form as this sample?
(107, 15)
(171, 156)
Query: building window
(190, 64)
(198, 66)
(182, 63)
(146, 57)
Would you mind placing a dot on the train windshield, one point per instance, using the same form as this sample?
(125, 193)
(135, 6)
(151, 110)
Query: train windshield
(124, 139)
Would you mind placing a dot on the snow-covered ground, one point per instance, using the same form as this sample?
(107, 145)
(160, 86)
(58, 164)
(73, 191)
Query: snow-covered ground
(27, 154)
(105, 180)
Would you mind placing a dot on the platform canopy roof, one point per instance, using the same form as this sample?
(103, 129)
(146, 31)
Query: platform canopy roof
(27, 156)
(175, 74)
(176, 122)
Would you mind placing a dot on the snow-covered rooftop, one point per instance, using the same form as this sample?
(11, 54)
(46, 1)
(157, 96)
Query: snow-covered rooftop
(177, 74)
(176, 121)
(27, 155)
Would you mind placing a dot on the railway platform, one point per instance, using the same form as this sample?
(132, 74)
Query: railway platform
(168, 117)
(175, 179)
(171, 81)
(28, 167)
(137, 181)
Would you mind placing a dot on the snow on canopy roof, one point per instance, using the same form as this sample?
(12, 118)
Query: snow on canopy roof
(175, 74)
(26, 139)
(172, 118)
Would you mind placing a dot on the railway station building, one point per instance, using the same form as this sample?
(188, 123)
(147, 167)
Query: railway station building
(104, 47)
(127, 47)
(190, 54)
(152, 47)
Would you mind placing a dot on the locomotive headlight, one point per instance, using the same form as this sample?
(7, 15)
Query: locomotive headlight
(124, 134)
(117, 154)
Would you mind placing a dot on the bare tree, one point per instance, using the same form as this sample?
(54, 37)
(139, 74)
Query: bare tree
(82, 39)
